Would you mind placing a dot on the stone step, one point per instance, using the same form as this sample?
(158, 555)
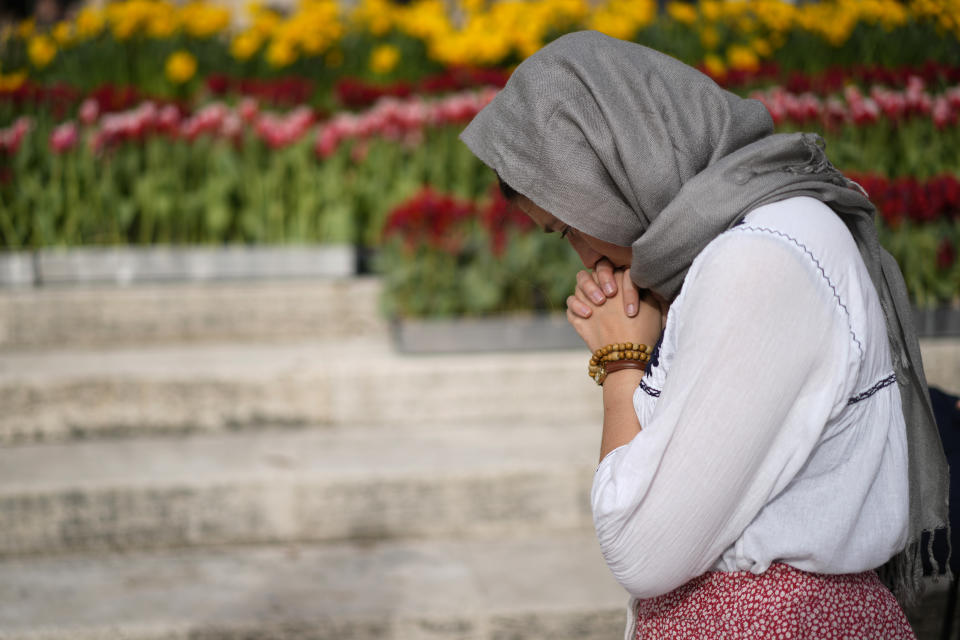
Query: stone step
(59, 394)
(362, 483)
(163, 313)
(552, 587)
(81, 393)
(544, 587)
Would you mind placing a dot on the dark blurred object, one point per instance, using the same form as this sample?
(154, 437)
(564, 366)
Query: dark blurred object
(45, 11)
(16, 9)
(946, 409)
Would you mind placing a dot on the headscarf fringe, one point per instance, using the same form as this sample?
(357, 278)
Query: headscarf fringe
(903, 573)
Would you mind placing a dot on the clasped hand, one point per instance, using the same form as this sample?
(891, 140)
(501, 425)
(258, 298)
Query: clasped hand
(606, 308)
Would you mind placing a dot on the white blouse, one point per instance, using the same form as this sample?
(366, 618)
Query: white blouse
(770, 414)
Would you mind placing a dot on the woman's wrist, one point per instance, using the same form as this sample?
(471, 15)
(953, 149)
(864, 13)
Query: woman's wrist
(620, 423)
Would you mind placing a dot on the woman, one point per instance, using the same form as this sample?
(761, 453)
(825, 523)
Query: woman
(777, 445)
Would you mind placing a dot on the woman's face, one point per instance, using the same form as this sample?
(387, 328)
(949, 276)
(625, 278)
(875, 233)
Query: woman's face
(590, 249)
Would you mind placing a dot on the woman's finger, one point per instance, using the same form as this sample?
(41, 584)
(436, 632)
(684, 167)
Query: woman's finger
(631, 296)
(587, 285)
(604, 271)
(578, 307)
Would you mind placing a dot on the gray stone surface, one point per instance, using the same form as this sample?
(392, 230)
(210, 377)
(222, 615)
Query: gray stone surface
(16, 269)
(77, 393)
(128, 265)
(941, 362)
(152, 314)
(536, 587)
(71, 393)
(515, 332)
(356, 483)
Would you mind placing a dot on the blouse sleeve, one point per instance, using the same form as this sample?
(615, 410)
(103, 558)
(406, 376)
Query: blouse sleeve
(760, 363)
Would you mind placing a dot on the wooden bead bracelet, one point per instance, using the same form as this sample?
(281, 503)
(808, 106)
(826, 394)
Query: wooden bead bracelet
(618, 356)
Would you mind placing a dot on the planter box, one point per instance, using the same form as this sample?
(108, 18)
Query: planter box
(539, 332)
(944, 321)
(130, 265)
(520, 332)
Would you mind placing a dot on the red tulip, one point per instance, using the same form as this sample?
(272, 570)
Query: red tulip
(946, 254)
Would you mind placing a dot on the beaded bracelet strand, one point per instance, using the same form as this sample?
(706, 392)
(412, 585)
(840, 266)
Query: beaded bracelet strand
(626, 355)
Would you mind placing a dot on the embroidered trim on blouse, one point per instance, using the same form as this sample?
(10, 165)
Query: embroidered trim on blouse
(650, 391)
(655, 355)
(822, 273)
(863, 395)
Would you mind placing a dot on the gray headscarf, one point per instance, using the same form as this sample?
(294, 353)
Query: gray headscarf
(636, 148)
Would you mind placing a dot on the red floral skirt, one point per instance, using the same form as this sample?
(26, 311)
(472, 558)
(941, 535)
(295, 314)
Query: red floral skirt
(782, 602)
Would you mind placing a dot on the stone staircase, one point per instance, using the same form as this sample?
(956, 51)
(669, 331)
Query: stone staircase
(254, 460)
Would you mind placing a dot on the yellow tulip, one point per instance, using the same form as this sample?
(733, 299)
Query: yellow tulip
(245, 44)
(181, 67)
(714, 65)
(709, 38)
(123, 28)
(762, 47)
(89, 23)
(384, 59)
(162, 26)
(265, 22)
(682, 12)
(742, 58)
(41, 50)
(711, 10)
(12, 81)
(202, 20)
(26, 29)
(281, 53)
(62, 32)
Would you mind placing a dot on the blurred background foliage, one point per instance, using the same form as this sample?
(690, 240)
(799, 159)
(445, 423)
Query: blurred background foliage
(149, 121)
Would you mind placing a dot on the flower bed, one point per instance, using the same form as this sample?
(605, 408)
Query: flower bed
(445, 256)
(148, 122)
(163, 48)
(227, 174)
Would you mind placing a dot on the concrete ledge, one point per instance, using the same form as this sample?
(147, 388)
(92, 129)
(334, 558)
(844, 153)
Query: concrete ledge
(552, 587)
(156, 314)
(357, 484)
(128, 265)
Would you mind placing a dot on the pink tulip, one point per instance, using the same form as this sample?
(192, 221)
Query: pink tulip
(232, 127)
(89, 111)
(248, 109)
(326, 142)
(64, 137)
(168, 120)
(942, 113)
(12, 136)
